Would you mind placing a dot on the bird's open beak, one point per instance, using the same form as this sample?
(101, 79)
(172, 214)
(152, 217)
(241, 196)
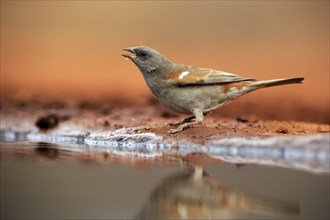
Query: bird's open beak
(131, 56)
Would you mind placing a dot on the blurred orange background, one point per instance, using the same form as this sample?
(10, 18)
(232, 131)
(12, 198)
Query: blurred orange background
(72, 49)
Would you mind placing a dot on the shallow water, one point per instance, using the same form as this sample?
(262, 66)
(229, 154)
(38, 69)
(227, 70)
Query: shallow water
(45, 181)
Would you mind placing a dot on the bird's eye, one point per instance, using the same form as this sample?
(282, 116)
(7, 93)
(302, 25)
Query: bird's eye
(142, 55)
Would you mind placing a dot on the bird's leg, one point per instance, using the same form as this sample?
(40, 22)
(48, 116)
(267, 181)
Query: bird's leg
(199, 118)
(198, 174)
(185, 120)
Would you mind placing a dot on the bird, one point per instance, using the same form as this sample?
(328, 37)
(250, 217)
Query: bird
(192, 90)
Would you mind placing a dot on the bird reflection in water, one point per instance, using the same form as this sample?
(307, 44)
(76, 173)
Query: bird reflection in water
(193, 195)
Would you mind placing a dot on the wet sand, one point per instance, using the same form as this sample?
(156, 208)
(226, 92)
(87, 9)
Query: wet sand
(147, 121)
(150, 116)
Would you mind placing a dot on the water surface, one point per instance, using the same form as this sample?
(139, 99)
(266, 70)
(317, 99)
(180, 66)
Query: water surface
(44, 181)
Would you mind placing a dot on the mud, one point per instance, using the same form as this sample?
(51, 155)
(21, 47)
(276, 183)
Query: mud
(141, 128)
(152, 117)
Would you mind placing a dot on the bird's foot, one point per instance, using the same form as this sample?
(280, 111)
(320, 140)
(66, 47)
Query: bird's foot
(184, 121)
(176, 130)
(183, 127)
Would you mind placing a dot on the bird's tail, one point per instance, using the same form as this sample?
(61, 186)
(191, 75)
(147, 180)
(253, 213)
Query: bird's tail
(275, 82)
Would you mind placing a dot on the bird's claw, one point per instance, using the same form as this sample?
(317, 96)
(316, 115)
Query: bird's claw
(178, 129)
(174, 131)
(184, 126)
(184, 121)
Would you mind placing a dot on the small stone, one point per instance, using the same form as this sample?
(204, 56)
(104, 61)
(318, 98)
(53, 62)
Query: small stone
(243, 120)
(48, 122)
(103, 122)
(282, 131)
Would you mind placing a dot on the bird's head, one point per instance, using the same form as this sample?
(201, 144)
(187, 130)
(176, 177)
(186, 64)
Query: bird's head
(146, 58)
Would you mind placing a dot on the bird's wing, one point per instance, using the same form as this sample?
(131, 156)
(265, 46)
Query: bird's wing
(187, 75)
